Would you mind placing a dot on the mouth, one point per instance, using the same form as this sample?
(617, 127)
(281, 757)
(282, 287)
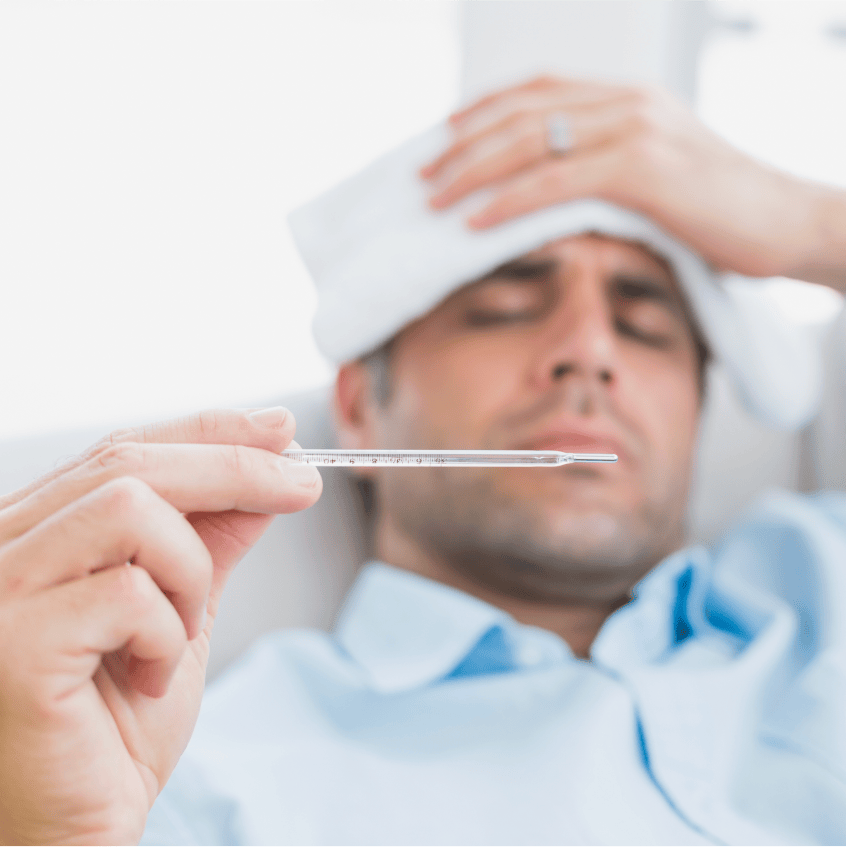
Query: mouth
(575, 441)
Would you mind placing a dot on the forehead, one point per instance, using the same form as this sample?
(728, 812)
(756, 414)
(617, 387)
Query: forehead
(603, 253)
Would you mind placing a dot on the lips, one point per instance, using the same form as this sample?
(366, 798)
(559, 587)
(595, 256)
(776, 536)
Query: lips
(575, 441)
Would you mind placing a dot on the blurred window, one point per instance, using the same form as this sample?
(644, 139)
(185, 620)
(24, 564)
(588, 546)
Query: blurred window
(772, 80)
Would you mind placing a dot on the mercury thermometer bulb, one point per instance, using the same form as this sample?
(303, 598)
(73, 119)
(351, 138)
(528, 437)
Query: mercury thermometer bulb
(443, 458)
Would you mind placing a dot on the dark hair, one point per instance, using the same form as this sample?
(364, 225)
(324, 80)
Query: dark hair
(377, 363)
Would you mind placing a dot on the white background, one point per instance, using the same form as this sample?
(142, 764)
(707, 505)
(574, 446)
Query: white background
(149, 153)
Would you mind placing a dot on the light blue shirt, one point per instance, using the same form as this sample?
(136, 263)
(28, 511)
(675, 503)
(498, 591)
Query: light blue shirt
(713, 709)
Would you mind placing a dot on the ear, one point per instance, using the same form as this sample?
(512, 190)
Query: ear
(354, 407)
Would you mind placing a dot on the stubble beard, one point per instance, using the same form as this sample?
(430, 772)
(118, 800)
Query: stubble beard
(570, 550)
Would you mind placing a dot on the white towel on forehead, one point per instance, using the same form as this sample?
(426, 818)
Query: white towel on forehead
(381, 258)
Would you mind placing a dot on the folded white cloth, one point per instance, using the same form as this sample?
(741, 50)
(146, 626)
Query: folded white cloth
(381, 258)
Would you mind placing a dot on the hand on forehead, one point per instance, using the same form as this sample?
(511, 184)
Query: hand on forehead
(382, 258)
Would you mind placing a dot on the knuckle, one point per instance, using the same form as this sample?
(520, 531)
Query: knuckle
(125, 457)
(640, 95)
(558, 176)
(643, 106)
(118, 436)
(125, 495)
(523, 117)
(640, 147)
(545, 80)
(239, 460)
(527, 145)
(134, 585)
(208, 422)
(639, 123)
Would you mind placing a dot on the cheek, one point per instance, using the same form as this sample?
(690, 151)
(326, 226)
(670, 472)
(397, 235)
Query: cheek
(663, 397)
(456, 385)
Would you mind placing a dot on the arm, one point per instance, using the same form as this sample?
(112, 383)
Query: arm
(111, 571)
(644, 150)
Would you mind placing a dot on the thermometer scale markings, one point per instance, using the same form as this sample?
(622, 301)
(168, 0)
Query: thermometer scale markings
(441, 458)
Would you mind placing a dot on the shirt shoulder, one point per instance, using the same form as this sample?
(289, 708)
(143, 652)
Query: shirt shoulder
(788, 554)
(787, 560)
(274, 688)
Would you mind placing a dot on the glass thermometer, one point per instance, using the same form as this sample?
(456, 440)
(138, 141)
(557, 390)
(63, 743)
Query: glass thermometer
(443, 458)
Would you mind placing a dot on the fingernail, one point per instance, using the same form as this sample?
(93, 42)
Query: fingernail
(274, 417)
(305, 476)
(201, 625)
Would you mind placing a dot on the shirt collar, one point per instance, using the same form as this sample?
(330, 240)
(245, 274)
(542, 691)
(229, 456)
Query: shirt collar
(674, 602)
(407, 631)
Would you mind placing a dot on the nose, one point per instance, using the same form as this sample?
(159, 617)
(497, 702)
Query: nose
(578, 347)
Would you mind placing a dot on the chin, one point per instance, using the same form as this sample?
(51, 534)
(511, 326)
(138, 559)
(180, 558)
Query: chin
(589, 533)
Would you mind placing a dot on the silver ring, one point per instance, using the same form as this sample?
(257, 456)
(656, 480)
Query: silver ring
(559, 133)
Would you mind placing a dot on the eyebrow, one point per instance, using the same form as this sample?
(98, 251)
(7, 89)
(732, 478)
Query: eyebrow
(647, 288)
(522, 269)
(633, 284)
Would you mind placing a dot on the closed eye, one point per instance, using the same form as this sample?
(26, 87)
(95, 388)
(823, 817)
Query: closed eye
(635, 288)
(501, 302)
(658, 340)
(647, 312)
(484, 317)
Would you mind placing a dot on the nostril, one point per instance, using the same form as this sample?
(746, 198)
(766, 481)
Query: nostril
(605, 376)
(559, 371)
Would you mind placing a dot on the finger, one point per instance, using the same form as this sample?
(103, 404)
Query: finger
(493, 100)
(540, 105)
(461, 150)
(556, 181)
(122, 521)
(191, 477)
(227, 536)
(499, 117)
(538, 96)
(266, 427)
(62, 633)
(521, 142)
(270, 429)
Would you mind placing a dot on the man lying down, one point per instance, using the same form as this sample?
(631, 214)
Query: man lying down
(531, 657)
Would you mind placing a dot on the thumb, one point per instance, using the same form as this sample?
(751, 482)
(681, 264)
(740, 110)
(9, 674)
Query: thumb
(228, 536)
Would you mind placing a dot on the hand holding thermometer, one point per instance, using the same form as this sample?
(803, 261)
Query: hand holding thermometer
(443, 458)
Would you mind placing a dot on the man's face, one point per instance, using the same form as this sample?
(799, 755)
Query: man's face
(584, 345)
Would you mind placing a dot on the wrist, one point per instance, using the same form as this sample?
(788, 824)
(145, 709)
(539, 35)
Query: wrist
(820, 255)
